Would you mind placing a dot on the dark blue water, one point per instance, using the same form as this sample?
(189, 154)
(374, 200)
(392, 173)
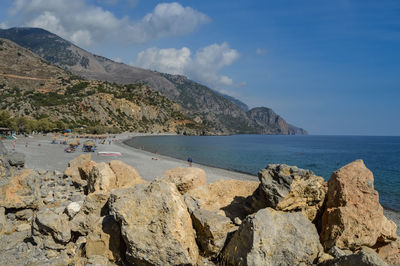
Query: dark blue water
(322, 154)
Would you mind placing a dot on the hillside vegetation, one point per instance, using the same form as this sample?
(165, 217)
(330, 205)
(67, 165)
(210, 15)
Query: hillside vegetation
(222, 114)
(32, 90)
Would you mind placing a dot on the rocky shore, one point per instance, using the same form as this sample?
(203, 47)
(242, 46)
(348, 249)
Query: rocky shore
(106, 213)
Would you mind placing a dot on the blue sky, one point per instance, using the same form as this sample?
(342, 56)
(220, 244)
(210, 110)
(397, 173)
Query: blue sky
(331, 67)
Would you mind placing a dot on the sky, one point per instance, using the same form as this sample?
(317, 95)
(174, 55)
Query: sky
(331, 67)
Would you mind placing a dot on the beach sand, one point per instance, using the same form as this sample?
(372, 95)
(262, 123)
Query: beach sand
(49, 156)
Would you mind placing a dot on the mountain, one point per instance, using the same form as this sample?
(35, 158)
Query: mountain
(31, 89)
(219, 113)
(238, 102)
(263, 116)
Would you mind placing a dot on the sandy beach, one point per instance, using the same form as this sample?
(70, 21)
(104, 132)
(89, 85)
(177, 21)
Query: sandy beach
(149, 165)
(40, 154)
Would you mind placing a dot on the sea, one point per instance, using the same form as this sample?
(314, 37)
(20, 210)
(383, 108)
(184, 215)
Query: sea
(321, 154)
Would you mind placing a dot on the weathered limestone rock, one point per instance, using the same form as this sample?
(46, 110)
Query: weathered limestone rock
(276, 180)
(306, 195)
(85, 168)
(269, 237)
(155, 224)
(104, 239)
(92, 209)
(126, 175)
(366, 257)
(212, 230)
(187, 178)
(3, 221)
(73, 167)
(390, 252)
(101, 178)
(25, 215)
(20, 191)
(50, 226)
(353, 215)
(73, 208)
(230, 197)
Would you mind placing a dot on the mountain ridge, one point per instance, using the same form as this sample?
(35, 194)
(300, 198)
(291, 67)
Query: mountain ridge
(222, 115)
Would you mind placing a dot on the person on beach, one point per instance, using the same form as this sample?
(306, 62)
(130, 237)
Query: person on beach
(190, 160)
(14, 144)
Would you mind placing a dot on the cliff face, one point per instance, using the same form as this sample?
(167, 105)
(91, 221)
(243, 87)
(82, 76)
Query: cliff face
(220, 113)
(32, 88)
(263, 116)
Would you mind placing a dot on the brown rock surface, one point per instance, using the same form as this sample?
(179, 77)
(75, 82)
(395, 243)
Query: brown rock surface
(73, 167)
(390, 252)
(229, 197)
(101, 178)
(104, 239)
(306, 195)
(155, 224)
(126, 175)
(353, 215)
(19, 192)
(85, 168)
(187, 178)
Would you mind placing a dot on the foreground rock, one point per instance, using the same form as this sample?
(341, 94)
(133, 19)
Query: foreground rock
(212, 231)
(230, 198)
(186, 179)
(73, 168)
(21, 191)
(366, 256)
(269, 237)
(126, 176)
(276, 180)
(155, 224)
(104, 177)
(306, 195)
(353, 217)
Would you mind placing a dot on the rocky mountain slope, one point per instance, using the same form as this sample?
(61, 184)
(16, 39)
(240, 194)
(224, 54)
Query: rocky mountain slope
(31, 87)
(222, 114)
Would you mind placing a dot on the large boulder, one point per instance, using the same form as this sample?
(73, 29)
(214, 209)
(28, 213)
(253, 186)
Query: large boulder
(21, 191)
(93, 207)
(230, 198)
(104, 239)
(126, 176)
(390, 252)
(306, 195)
(212, 231)
(269, 237)
(353, 215)
(155, 224)
(275, 182)
(364, 257)
(101, 179)
(187, 178)
(51, 229)
(73, 167)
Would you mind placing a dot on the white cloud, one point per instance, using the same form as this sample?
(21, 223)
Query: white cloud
(167, 19)
(261, 51)
(204, 66)
(85, 24)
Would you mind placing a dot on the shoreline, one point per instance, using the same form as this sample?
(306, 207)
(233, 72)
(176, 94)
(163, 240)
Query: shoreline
(150, 166)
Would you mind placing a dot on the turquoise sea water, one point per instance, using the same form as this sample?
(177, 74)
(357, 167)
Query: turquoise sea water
(322, 154)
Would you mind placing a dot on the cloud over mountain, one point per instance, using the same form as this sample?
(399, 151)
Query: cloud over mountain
(85, 24)
(204, 65)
